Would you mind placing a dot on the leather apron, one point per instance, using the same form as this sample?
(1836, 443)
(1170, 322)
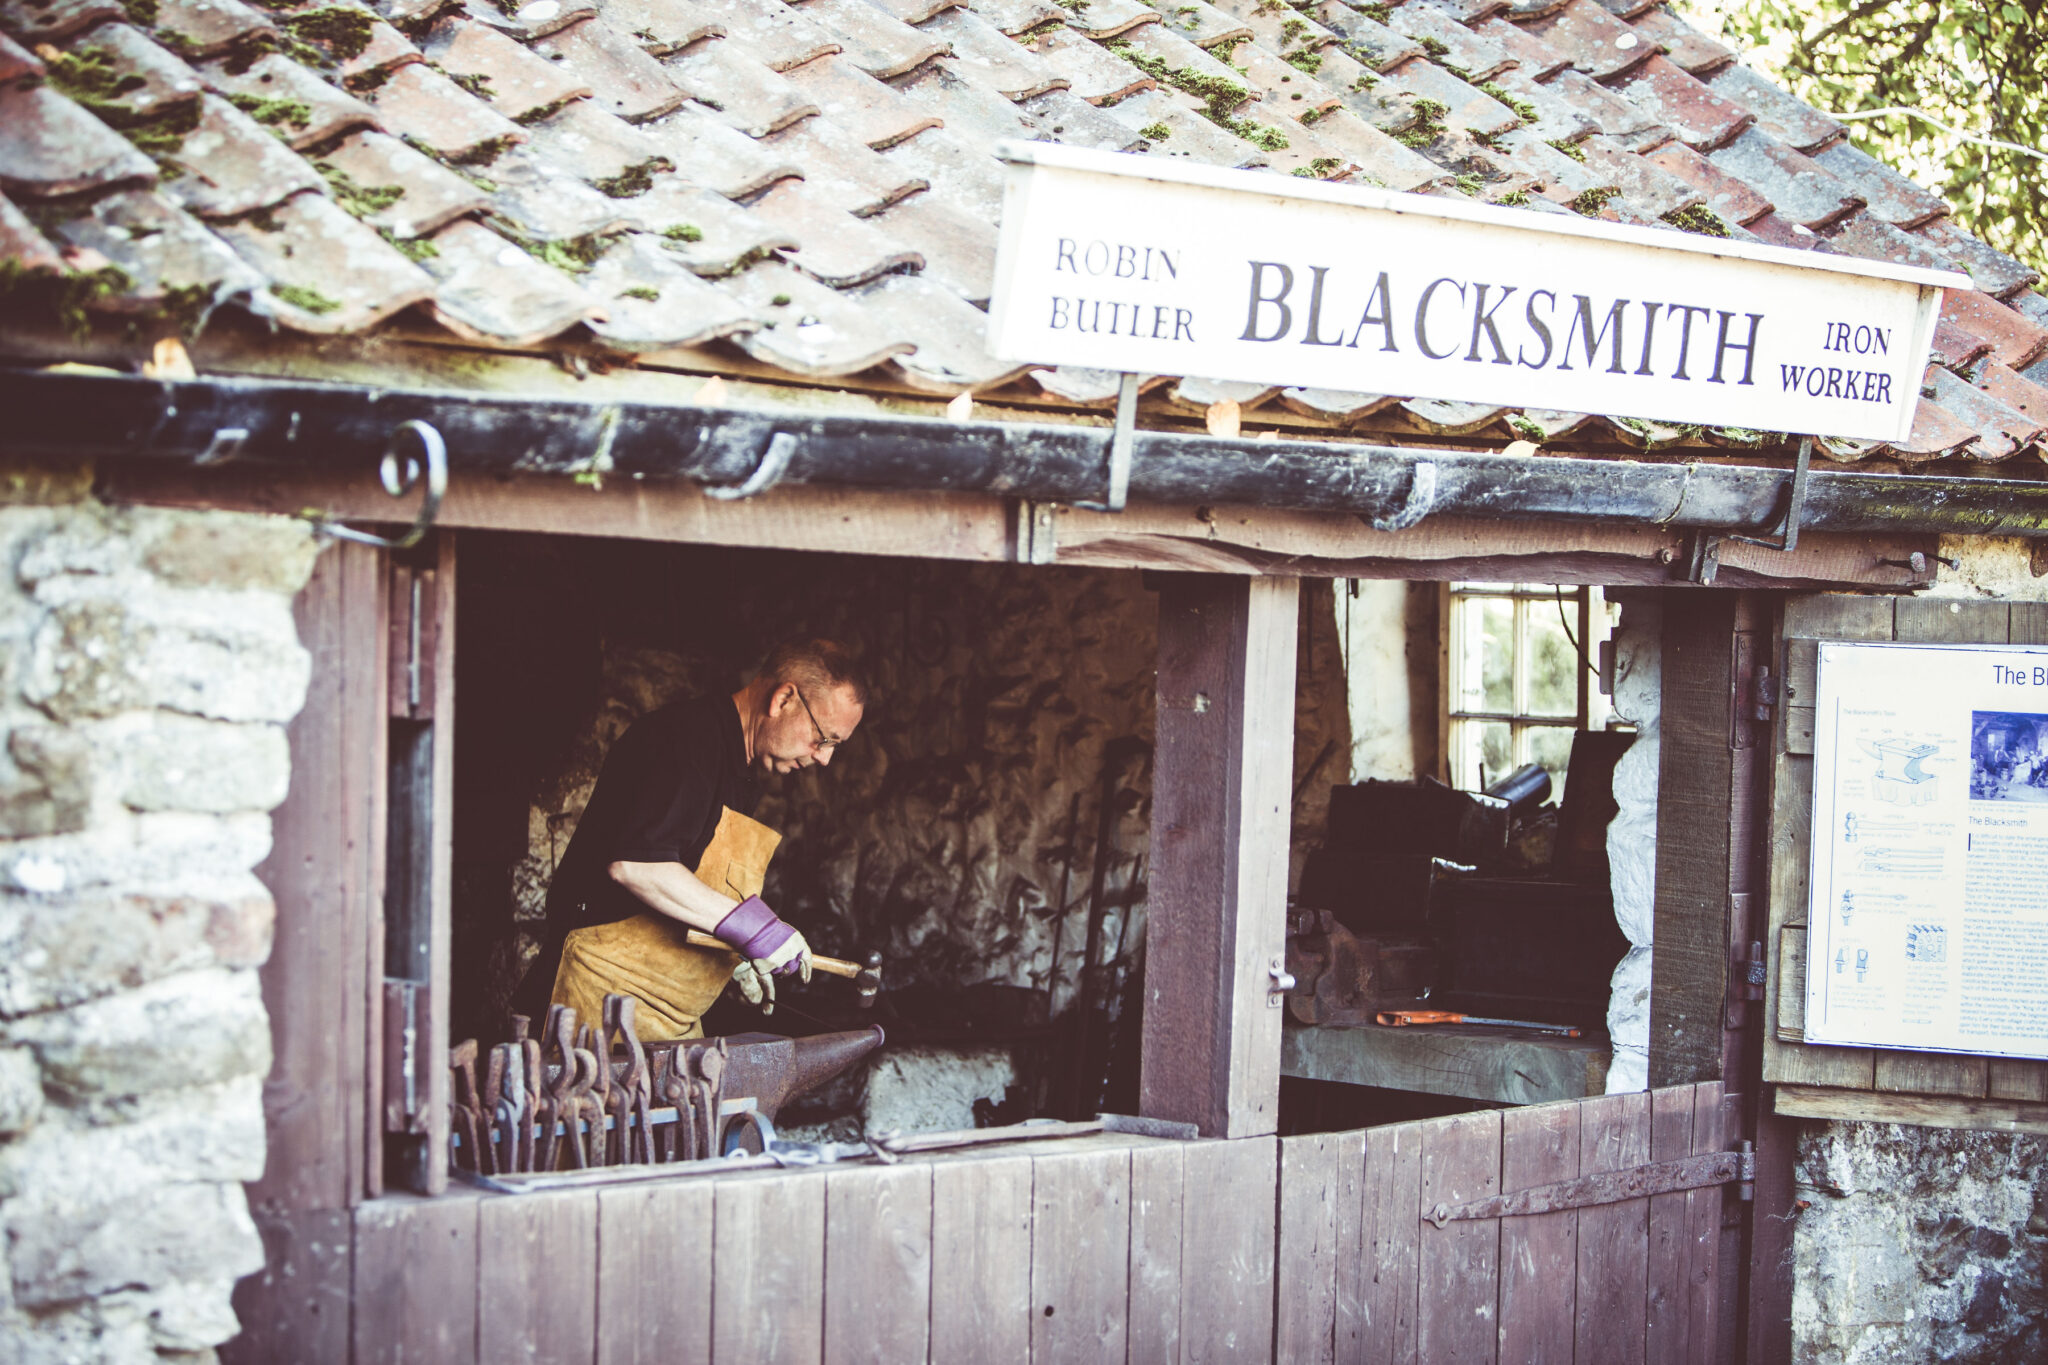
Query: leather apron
(648, 956)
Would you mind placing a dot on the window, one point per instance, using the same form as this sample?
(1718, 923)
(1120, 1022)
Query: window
(1519, 677)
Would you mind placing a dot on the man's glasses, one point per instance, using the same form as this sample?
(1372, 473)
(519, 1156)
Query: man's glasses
(823, 741)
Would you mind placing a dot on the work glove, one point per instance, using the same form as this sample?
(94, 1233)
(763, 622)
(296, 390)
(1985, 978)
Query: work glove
(756, 976)
(770, 946)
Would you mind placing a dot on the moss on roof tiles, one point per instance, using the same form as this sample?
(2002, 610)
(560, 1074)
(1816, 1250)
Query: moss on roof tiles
(61, 295)
(634, 180)
(274, 110)
(1698, 218)
(309, 300)
(345, 31)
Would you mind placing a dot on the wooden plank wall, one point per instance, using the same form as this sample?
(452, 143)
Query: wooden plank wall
(1314, 1250)
(1097, 1249)
(1365, 1278)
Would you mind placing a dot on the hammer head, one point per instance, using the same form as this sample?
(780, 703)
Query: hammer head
(869, 983)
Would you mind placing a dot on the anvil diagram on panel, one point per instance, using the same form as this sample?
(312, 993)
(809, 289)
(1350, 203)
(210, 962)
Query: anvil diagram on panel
(1928, 924)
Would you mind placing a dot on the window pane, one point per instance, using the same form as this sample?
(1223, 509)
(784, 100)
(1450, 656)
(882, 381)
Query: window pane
(1551, 745)
(1481, 752)
(1553, 660)
(1486, 631)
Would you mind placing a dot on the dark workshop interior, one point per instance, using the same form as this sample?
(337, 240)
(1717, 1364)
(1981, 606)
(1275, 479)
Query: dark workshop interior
(986, 830)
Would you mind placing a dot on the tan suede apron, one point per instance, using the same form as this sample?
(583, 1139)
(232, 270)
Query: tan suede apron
(648, 956)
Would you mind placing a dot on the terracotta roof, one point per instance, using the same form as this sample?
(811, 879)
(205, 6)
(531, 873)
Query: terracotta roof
(814, 183)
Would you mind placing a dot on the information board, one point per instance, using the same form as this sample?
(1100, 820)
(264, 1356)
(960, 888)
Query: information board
(1928, 916)
(1162, 266)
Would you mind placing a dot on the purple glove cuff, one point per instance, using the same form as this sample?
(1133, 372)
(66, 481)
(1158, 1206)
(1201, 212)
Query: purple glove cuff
(754, 931)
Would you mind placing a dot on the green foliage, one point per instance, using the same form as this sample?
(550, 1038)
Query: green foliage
(1514, 199)
(1980, 66)
(684, 232)
(1156, 132)
(1566, 147)
(641, 291)
(1308, 61)
(1320, 167)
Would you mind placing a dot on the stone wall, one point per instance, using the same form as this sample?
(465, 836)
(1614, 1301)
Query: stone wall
(1919, 1244)
(1632, 834)
(148, 662)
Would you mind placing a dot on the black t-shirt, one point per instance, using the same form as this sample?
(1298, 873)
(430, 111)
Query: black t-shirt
(658, 799)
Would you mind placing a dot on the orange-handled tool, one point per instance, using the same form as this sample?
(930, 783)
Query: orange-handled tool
(1403, 1018)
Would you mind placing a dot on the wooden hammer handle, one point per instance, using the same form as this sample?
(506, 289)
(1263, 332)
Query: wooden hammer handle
(837, 966)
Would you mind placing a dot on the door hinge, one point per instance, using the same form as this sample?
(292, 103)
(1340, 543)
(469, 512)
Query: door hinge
(1764, 693)
(1612, 1187)
(405, 1088)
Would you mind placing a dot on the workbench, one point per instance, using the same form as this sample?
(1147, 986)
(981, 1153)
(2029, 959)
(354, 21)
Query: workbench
(1505, 1066)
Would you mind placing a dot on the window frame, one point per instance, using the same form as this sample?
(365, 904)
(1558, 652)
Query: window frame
(1591, 712)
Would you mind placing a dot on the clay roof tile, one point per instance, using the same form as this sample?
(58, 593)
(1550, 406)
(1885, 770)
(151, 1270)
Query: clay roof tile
(328, 273)
(291, 101)
(1599, 45)
(1687, 47)
(488, 289)
(49, 21)
(49, 146)
(743, 94)
(875, 113)
(515, 80)
(426, 108)
(814, 330)
(623, 79)
(874, 42)
(653, 301)
(1702, 119)
(394, 188)
(1778, 112)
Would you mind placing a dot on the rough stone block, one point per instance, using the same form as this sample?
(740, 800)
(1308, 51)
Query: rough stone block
(226, 549)
(933, 1089)
(77, 1159)
(157, 1237)
(87, 661)
(228, 656)
(167, 852)
(174, 762)
(192, 1029)
(21, 1091)
(60, 952)
(51, 792)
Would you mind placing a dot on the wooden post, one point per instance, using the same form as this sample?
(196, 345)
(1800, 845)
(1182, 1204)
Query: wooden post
(1217, 908)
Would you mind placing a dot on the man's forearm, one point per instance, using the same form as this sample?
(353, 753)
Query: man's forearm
(673, 890)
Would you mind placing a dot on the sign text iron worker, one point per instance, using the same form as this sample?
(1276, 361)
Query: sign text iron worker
(1138, 264)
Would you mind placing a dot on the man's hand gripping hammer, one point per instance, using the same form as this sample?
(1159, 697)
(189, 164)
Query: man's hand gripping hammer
(866, 977)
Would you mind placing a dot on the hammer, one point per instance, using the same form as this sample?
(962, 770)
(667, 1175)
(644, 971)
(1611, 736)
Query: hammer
(866, 977)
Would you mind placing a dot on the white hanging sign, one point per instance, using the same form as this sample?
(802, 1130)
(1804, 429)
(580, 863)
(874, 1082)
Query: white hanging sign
(1927, 920)
(1141, 263)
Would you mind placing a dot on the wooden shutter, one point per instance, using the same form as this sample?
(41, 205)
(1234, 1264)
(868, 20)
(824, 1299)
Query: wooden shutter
(1877, 1084)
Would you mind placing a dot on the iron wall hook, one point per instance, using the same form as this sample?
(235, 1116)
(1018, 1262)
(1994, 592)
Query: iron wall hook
(400, 474)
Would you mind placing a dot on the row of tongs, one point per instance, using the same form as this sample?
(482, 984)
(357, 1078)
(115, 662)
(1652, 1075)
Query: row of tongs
(580, 1097)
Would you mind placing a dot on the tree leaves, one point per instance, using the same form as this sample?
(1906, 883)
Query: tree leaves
(1979, 67)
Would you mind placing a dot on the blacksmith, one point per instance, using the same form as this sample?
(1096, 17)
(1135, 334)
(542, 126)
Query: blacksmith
(668, 843)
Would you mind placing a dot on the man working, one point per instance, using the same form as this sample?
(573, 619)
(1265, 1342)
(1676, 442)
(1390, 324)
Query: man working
(668, 843)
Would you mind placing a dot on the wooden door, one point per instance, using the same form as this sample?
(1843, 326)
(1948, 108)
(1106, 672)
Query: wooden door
(1408, 1244)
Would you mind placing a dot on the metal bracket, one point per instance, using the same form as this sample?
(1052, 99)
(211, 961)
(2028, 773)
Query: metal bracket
(226, 444)
(1121, 440)
(782, 448)
(1280, 982)
(1788, 537)
(1034, 530)
(1609, 1187)
(398, 480)
(1420, 502)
